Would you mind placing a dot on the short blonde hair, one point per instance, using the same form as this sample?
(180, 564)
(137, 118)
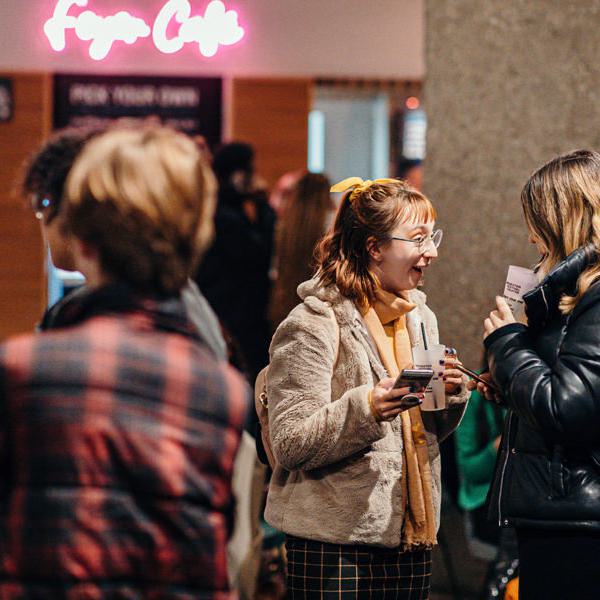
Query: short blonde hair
(342, 256)
(145, 200)
(561, 204)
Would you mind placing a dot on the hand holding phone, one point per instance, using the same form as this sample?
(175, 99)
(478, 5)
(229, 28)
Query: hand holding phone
(389, 398)
(417, 381)
(476, 377)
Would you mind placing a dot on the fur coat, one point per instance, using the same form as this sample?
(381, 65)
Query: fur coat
(338, 473)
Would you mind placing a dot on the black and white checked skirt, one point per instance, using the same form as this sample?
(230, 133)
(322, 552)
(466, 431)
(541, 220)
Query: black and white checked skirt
(316, 570)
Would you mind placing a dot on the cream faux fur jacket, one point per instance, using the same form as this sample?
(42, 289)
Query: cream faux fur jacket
(338, 473)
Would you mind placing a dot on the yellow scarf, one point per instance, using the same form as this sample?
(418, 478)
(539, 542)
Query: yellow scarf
(419, 521)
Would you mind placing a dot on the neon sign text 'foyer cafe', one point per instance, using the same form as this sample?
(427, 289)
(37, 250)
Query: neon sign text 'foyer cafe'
(218, 27)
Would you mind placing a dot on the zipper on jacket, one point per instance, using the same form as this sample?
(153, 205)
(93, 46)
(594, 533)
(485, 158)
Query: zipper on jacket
(546, 303)
(508, 442)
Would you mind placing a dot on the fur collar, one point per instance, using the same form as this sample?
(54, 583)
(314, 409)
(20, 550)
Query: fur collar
(320, 298)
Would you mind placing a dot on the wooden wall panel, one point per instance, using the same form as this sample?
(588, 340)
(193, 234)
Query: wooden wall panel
(22, 278)
(272, 115)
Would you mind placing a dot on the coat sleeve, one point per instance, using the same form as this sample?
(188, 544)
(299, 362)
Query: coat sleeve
(562, 401)
(308, 428)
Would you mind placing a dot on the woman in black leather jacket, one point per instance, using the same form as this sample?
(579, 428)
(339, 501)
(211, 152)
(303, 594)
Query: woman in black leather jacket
(547, 480)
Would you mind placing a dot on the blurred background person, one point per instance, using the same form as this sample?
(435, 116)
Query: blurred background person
(43, 183)
(411, 171)
(282, 190)
(44, 178)
(305, 215)
(234, 275)
(234, 278)
(120, 397)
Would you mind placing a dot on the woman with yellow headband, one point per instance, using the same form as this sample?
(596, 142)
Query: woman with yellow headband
(356, 487)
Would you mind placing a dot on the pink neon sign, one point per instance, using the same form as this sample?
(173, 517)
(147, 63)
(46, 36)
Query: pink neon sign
(218, 27)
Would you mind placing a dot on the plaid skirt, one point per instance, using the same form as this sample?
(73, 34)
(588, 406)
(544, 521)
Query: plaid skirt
(327, 571)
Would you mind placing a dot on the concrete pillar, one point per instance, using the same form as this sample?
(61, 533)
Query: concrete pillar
(509, 85)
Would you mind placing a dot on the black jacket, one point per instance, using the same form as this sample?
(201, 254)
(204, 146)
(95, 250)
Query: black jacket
(548, 469)
(234, 275)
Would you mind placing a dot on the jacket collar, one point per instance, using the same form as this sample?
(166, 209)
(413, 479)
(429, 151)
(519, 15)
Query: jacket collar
(119, 298)
(319, 298)
(541, 303)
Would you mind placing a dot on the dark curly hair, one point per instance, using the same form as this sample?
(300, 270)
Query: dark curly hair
(46, 171)
(232, 157)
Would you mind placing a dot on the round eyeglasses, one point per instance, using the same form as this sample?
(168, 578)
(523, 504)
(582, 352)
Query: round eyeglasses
(423, 242)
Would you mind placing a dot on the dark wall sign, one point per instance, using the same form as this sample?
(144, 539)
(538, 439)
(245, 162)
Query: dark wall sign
(192, 105)
(6, 100)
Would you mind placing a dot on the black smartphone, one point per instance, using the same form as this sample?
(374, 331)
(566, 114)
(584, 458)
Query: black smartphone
(475, 376)
(416, 379)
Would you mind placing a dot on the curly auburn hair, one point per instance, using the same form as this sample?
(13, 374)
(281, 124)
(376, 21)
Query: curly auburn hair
(342, 256)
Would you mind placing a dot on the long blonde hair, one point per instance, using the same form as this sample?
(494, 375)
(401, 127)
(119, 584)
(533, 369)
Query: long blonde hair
(301, 225)
(561, 203)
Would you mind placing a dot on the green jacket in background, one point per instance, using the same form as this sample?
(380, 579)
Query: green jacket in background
(475, 452)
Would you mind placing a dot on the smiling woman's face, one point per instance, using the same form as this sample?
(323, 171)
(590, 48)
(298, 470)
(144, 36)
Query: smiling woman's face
(400, 265)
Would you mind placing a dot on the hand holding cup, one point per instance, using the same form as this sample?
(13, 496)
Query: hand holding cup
(452, 377)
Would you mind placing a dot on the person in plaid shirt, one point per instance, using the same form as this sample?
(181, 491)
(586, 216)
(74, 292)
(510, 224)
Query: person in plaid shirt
(119, 428)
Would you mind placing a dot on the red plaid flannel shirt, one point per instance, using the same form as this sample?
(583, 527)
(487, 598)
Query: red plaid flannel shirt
(117, 439)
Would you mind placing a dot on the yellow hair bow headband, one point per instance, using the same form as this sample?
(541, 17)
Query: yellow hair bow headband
(359, 185)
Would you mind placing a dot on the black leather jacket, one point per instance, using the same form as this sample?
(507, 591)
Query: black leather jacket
(548, 469)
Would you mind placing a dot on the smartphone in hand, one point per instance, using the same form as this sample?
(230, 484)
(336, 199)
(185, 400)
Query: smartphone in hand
(475, 376)
(416, 379)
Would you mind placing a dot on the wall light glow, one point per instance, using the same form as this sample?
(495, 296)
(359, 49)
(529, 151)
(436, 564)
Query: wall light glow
(218, 27)
(413, 103)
